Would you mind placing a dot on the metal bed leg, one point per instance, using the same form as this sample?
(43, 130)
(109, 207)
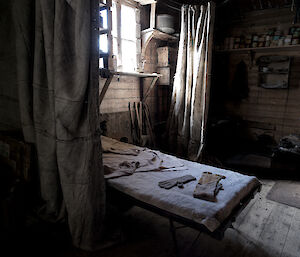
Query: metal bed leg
(173, 231)
(193, 243)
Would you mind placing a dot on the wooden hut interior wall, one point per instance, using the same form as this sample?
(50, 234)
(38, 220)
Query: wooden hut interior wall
(240, 195)
(254, 104)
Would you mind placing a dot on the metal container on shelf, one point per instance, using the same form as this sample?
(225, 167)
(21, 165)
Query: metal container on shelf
(165, 23)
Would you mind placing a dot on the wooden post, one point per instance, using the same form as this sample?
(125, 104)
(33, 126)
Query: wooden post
(109, 36)
(119, 41)
(152, 15)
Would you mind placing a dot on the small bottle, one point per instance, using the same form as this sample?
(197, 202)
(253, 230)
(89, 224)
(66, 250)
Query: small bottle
(114, 62)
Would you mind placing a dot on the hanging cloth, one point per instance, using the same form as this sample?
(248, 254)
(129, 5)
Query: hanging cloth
(190, 97)
(56, 46)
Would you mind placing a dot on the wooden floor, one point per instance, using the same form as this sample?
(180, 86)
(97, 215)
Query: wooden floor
(265, 228)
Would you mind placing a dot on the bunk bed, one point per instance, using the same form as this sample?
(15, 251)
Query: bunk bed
(138, 185)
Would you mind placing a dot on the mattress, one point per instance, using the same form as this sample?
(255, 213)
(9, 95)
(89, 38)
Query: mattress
(143, 186)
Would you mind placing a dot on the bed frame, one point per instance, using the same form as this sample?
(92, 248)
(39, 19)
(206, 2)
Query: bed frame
(114, 194)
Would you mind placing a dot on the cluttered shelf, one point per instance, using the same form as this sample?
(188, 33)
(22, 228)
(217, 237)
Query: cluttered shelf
(273, 39)
(262, 49)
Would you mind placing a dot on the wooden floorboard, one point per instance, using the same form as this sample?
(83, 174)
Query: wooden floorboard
(292, 245)
(275, 232)
(264, 229)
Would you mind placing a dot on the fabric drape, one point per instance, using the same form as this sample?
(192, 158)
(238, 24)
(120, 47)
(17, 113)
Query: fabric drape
(59, 110)
(190, 96)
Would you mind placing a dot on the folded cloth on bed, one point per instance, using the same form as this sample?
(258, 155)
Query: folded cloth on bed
(110, 145)
(208, 186)
(121, 159)
(179, 181)
(142, 186)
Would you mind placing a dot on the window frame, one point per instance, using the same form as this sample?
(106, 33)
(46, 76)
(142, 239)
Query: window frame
(118, 36)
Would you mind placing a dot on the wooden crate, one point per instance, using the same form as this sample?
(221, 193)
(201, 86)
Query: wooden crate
(167, 75)
(166, 56)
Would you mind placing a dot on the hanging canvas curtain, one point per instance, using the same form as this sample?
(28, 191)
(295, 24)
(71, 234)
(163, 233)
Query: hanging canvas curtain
(57, 79)
(190, 97)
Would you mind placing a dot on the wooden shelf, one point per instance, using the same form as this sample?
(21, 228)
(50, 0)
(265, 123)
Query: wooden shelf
(136, 74)
(145, 2)
(133, 74)
(274, 73)
(149, 34)
(103, 31)
(110, 74)
(262, 49)
(157, 34)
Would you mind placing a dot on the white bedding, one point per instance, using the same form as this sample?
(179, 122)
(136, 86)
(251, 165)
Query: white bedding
(144, 187)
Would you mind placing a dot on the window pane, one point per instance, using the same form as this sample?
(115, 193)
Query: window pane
(103, 19)
(128, 55)
(114, 19)
(103, 43)
(115, 46)
(101, 63)
(128, 27)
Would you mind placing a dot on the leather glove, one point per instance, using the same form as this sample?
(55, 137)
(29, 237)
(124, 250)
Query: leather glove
(179, 181)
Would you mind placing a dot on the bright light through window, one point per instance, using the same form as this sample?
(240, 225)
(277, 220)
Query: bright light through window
(114, 19)
(128, 38)
(127, 41)
(129, 55)
(103, 17)
(103, 43)
(128, 23)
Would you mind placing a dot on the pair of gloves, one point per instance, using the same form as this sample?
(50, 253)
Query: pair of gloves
(208, 186)
(179, 181)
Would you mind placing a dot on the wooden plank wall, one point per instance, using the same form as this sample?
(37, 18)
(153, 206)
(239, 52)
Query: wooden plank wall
(276, 110)
(122, 90)
(114, 108)
(125, 89)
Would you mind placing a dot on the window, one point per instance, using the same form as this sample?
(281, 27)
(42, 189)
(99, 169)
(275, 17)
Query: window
(103, 27)
(104, 35)
(123, 35)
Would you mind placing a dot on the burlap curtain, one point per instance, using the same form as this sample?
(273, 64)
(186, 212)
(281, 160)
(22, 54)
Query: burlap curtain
(190, 97)
(58, 95)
